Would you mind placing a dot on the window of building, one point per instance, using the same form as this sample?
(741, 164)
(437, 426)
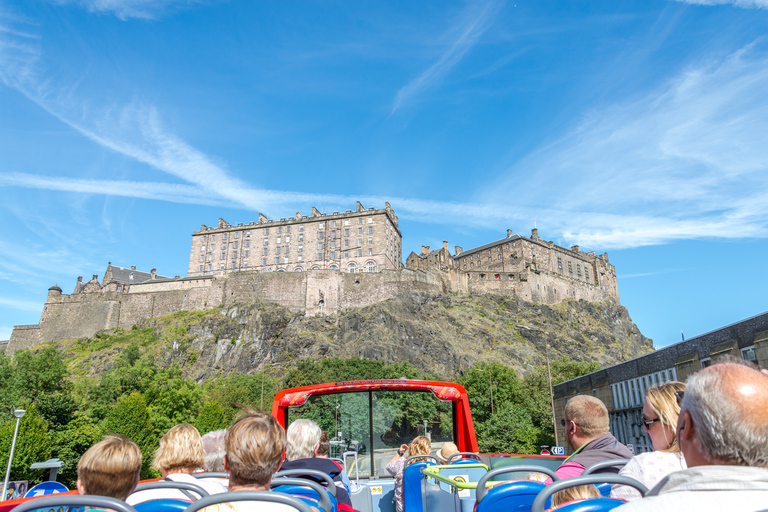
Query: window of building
(333, 244)
(570, 269)
(359, 231)
(490, 258)
(235, 245)
(352, 268)
(264, 261)
(359, 242)
(559, 264)
(287, 229)
(334, 267)
(346, 242)
(471, 265)
(233, 265)
(748, 354)
(234, 255)
(301, 248)
(202, 249)
(333, 255)
(223, 255)
(499, 256)
(210, 257)
(359, 252)
(333, 223)
(346, 232)
(266, 232)
(287, 248)
(285, 259)
(370, 266)
(246, 254)
(209, 267)
(346, 254)
(346, 222)
(245, 264)
(370, 220)
(319, 246)
(224, 236)
(586, 274)
(465, 266)
(299, 258)
(301, 227)
(301, 237)
(266, 242)
(201, 269)
(277, 250)
(370, 240)
(320, 235)
(287, 238)
(321, 225)
(370, 252)
(237, 234)
(279, 239)
(224, 246)
(265, 251)
(202, 257)
(333, 233)
(277, 260)
(279, 230)
(578, 270)
(319, 255)
(370, 230)
(247, 243)
(205, 237)
(221, 266)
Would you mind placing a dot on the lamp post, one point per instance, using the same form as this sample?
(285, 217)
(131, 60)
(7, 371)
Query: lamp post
(18, 413)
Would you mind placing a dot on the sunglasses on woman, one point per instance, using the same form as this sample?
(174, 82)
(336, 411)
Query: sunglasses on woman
(647, 423)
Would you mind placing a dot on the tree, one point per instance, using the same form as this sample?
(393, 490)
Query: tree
(510, 430)
(130, 417)
(33, 444)
(40, 372)
(71, 442)
(57, 408)
(212, 417)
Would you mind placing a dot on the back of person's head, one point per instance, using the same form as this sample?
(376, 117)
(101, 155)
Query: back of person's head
(589, 414)
(324, 446)
(578, 492)
(664, 403)
(254, 446)
(110, 467)
(180, 449)
(419, 446)
(213, 445)
(446, 451)
(303, 436)
(727, 405)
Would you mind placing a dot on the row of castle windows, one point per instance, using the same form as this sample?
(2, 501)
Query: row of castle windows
(352, 267)
(288, 230)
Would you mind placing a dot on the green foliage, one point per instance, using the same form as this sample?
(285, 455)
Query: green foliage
(57, 408)
(38, 372)
(212, 417)
(33, 444)
(509, 430)
(131, 418)
(71, 442)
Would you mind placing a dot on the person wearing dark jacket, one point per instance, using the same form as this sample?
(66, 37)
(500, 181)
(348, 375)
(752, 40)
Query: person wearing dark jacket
(586, 430)
(303, 441)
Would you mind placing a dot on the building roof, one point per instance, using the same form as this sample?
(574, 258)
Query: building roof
(129, 276)
(491, 244)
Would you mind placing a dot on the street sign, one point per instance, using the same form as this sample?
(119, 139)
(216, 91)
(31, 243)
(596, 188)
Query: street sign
(545, 452)
(46, 488)
(558, 450)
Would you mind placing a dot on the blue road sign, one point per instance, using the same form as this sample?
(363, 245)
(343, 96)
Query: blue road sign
(558, 450)
(46, 488)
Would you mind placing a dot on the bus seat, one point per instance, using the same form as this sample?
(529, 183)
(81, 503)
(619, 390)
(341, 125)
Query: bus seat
(308, 491)
(412, 496)
(162, 505)
(512, 496)
(591, 505)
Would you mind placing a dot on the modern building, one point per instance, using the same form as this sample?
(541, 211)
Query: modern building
(622, 386)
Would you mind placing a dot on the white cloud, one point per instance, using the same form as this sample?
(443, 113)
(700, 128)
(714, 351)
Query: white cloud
(688, 161)
(20, 305)
(126, 9)
(746, 4)
(466, 35)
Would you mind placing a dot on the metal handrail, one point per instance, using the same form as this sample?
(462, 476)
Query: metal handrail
(482, 491)
(541, 499)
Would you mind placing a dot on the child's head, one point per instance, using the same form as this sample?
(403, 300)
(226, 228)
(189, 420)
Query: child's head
(109, 468)
(254, 446)
(579, 492)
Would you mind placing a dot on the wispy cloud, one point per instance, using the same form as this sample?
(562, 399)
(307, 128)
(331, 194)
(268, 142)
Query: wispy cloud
(687, 161)
(20, 305)
(465, 36)
(127, 9)
(746, 4)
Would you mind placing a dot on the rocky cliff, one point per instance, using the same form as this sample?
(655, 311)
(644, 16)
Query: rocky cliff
(445, 334)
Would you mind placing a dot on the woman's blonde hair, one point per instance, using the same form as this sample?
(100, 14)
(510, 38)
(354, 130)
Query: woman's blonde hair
(663, 401)
(254, 445)
(578, 492)
(181, 448)
(419, 446)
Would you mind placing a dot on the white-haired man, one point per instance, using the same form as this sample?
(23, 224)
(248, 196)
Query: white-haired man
(723, 433)
(303, 441)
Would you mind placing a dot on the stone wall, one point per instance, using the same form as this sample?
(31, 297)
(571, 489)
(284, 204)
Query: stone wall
(316, 292)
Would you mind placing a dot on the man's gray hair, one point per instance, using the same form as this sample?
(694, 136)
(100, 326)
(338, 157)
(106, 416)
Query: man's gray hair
(213, 444)
(303, 436)
(726, 427)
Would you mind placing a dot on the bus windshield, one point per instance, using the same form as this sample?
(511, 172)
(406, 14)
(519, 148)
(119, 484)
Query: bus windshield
(373, 425)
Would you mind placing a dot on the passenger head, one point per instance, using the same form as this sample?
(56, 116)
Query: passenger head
(324, 446)
(110, 467)
(586, 418)
(303, 438)
(661, 408)
(254, 446)
(213, 445)
(419, 446)
(180, 451)
(723, 418)
(446, 451)
(578, 492)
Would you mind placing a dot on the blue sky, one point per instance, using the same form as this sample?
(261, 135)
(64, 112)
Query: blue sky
(636, 128)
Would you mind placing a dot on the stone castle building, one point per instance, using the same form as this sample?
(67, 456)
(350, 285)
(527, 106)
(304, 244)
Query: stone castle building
(317, 264)
(533, 268)
(353, 241)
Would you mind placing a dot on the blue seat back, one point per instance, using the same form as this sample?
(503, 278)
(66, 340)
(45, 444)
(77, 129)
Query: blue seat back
(307, 495)
(412, 495)
(514, 496)
(162, 505)
(604, 489)
(591, 505)
(473, 474)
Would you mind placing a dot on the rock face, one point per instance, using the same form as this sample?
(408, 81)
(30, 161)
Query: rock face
(444, 334)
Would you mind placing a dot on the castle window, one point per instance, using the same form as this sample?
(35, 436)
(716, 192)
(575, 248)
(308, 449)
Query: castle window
(315, 268)
(210, 257)
(279, 239)
(346, 222)
(286, 249)
(287, 229)
(247, 233)
(333, 255)
(351, 268)
(221, 266)
(578, 270)
(359, 242)
(359, 231)
(370, 240)
(299, 258)
(245, 264)
(266, 232)
(247, 243)
(570, 269)
(499, 256)
(333, 234)
(319, 256)
(224, 236)
(264, 262)
(224, 246)
(346, 232)
(287, 238)
(489, 252)
(586, 274)
(471, 265)
(334, 267)
(201, 269)
(333, 244)
(246, 253)
(202, 257)
(359, 252)
(205, 237)
(209, 267)
(346, 254)
(285, 259)
(507, 246)
(202, 249)
(301, 248)
(233, 265)
(370, 266)
(277, 250)
(346, 242)
(333, 224)
(514, 244)
(237, 234)
(301, 237)
(359, 220)
(301, 227)
(319, 246)
(370, 230)
(265, 251)
(465, 266)
(370, 220)
(560, 264)
(490, 258)
(277, 260)
(223, 255)
(279, 230)
(321, 225)
(234, 255)
(266, 242)
(320, 235)
(235, 245)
